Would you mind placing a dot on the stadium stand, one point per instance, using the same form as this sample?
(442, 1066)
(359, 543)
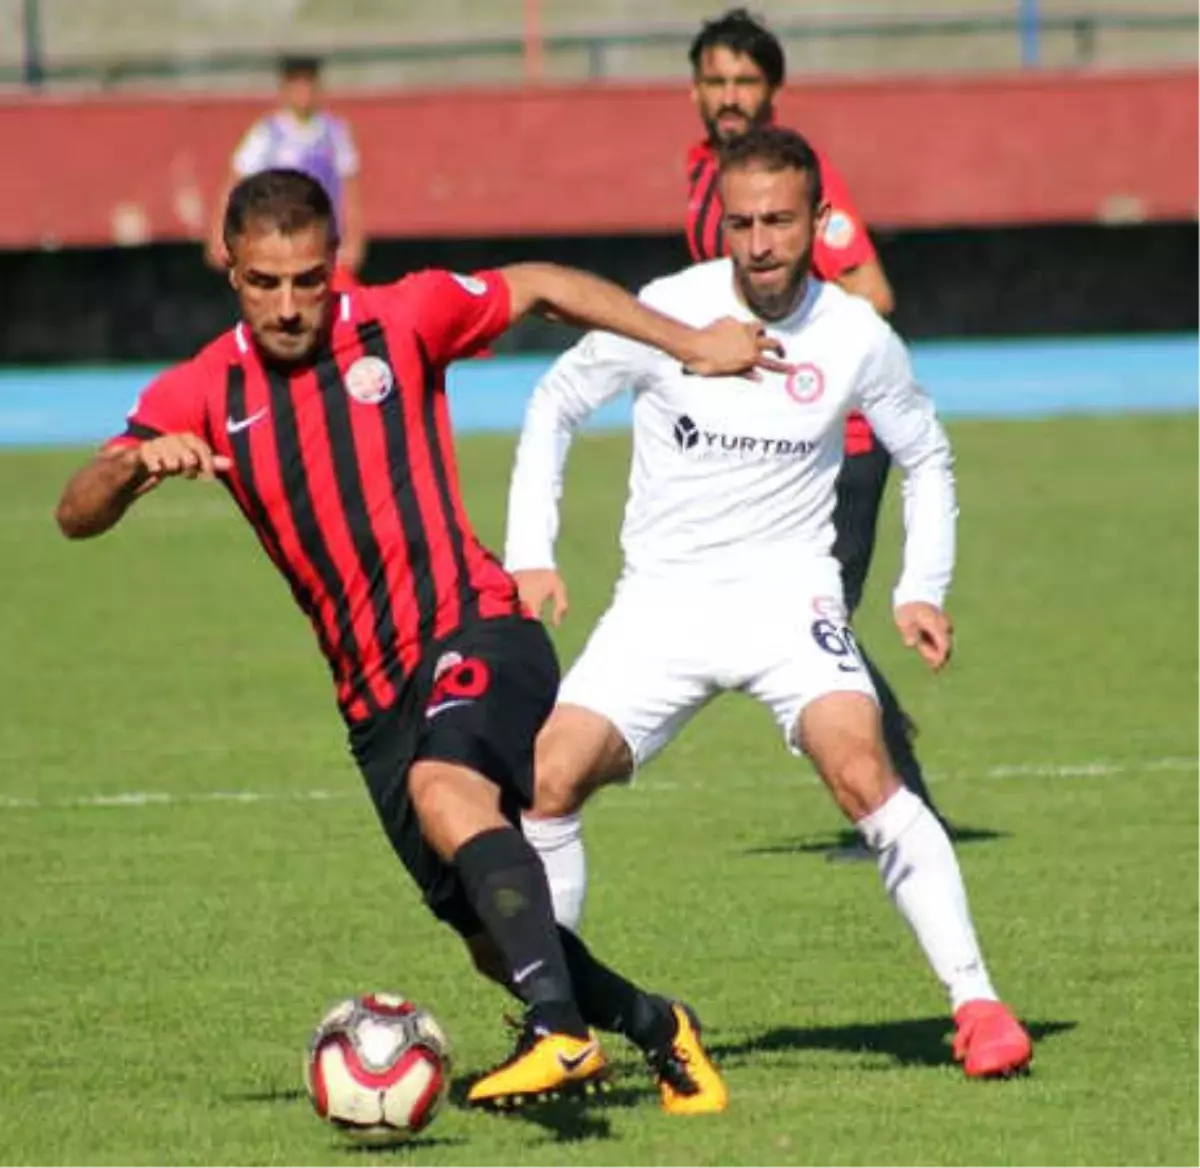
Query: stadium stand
(198, 44)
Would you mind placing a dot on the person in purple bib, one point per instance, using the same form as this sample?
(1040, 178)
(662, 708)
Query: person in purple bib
(300, 135)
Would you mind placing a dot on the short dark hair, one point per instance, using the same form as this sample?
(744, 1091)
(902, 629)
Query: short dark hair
(299, 65)
(739, 32)
(286, 200)
(775, 148)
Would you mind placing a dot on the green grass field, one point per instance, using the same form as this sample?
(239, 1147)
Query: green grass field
(164, 957)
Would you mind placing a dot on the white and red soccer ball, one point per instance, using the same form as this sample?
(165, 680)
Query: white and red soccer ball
(378, 1068)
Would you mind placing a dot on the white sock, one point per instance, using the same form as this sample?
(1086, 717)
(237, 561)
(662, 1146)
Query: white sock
(921, 874)
(559, 845)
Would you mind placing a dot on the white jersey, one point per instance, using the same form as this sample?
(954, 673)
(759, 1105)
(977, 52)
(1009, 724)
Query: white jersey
(732, 478)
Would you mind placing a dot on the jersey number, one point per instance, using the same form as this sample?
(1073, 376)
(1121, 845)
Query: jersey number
(466, 679)
(839, 641)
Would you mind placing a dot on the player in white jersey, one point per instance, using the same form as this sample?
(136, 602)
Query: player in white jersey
(729, 580)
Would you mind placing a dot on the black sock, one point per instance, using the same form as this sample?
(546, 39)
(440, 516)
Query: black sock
(610, 1002)
(506, 884)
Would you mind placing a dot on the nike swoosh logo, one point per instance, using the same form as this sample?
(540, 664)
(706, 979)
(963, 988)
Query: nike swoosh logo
(442, 707)
(234, 427)
(526, 970)
(572, 1063)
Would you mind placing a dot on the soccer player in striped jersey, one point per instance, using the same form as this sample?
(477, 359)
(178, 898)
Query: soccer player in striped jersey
(324, 414)
(738, 68)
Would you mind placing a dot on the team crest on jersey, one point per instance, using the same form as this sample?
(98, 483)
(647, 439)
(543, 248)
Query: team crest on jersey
(839, 230)
(805, 384)
(369, 380)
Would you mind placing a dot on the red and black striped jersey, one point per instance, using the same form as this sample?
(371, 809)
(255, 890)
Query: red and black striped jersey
(843, 244)
(346, 471)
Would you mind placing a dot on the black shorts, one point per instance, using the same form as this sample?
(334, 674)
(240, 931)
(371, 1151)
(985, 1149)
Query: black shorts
(860, 487)
(479, 698)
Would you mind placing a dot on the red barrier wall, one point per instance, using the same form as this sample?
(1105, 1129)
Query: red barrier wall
(979, 150)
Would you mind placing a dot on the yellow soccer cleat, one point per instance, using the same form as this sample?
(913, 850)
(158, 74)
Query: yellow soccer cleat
(544, 1066)
(688, 1080)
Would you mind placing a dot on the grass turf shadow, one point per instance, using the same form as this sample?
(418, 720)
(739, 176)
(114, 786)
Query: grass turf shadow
(565, 1120)
(347, 1147)
(912, 1042)
(267, 1095)
(808, 846)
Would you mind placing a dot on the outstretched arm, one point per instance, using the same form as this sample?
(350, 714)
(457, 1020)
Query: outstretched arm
(726, 347)
(98, 494)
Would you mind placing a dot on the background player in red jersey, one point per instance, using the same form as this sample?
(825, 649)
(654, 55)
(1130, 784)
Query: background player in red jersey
(738, 69)
(323, 412)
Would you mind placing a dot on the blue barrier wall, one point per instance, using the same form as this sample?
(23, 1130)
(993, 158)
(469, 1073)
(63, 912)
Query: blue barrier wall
(983, 379)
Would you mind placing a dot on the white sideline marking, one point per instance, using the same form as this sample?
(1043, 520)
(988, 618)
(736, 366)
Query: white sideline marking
(1049, 770)
(163, 798)
(1083, 770)
(1089, 769)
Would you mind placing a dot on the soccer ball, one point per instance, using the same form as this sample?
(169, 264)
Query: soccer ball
(378, 1068)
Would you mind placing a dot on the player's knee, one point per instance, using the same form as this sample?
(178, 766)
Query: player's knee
(561, 781)
(862, 781)
(429, 791)
(842, 735)
(422, 789)
(453, 804)
(577, 751)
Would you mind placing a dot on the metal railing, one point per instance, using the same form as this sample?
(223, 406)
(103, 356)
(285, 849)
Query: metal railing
(1083, 30)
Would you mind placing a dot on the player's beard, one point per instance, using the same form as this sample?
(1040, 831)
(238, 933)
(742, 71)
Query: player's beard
(764, 115)
(308, 344)
(290, 353)
(776, 305)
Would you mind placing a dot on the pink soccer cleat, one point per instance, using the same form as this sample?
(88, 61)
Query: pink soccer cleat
(989, 1041)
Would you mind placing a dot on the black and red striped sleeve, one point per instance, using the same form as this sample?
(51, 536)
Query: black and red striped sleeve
(173, 403)
(454, 315)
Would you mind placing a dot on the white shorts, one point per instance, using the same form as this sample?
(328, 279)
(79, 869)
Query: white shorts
(665, 648)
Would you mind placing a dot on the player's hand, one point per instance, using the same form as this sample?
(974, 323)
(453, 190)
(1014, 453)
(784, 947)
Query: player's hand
(926, 628)
(727, 347)
(539, 585)
(180, 454)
